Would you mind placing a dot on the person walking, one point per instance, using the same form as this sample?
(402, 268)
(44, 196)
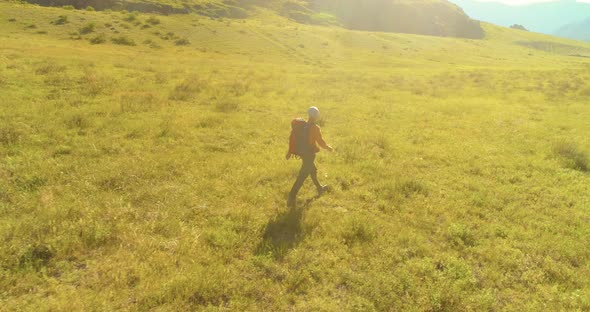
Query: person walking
(312, 142)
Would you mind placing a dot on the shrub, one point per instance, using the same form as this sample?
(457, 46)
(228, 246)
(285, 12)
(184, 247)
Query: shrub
(88, 28)
(460, 235)
(187, 89)
(32, 26)
(574, 157)
(49, 68)
(130, 18)
(12, 20)
(61, 20)
(89, 8)
(99, 39)
(227, 105)
(153, 20)
(182, 42)
(237, 88)
(77, 121)
(36, 256)
(169, 36)
(152, 44)
(68, 7)
(123, 40)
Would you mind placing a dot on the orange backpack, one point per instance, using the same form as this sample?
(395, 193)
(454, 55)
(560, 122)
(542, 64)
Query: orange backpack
(299, 139)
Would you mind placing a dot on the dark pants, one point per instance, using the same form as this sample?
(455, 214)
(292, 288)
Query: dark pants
(307, 168)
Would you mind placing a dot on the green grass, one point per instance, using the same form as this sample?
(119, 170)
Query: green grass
(134, 178)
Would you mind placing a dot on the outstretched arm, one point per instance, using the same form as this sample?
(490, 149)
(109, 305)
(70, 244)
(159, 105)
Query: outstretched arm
(321, 141)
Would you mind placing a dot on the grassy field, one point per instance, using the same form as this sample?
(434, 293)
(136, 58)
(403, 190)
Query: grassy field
(141, 167)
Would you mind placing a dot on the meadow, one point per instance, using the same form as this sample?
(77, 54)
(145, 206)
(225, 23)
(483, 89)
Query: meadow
(142, 166)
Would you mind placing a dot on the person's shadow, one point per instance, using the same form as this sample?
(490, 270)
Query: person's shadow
(283, 232)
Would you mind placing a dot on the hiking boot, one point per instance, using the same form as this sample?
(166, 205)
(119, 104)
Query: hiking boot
(323, 189)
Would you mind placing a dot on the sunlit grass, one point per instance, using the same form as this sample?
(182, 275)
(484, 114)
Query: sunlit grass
(135, 178)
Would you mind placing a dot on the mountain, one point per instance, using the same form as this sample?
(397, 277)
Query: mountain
(539, 17)
(436, 18)
(578, 31)
(425, 17)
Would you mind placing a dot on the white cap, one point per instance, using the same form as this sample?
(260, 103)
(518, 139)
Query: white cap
(313, 112)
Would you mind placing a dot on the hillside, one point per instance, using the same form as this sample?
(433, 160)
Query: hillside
(427, 17)
(545, 17)
(142, 166)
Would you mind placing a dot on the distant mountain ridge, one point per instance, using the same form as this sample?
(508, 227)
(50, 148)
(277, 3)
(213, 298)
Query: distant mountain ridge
(425, 17)
(544, 17)
(578, 31)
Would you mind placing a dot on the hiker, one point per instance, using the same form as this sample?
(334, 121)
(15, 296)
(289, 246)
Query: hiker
(304, 141)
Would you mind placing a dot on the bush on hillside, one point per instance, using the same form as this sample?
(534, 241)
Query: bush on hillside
(131, 17)
(519, 27)
(153, 20)
(49, 68)
(186, 90)
(99, 39)
(227, 105)
(88, 28)
(61, 20)
(182, 42)
(123, 40)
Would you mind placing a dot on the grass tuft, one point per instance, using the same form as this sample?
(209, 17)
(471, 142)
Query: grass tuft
(409, 187)
(187, 89)
(574, 157)
(138, 102)
(93, 83)
(359, 231)
(11, 134)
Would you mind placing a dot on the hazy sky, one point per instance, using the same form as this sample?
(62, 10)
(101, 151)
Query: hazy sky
(522, 2)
